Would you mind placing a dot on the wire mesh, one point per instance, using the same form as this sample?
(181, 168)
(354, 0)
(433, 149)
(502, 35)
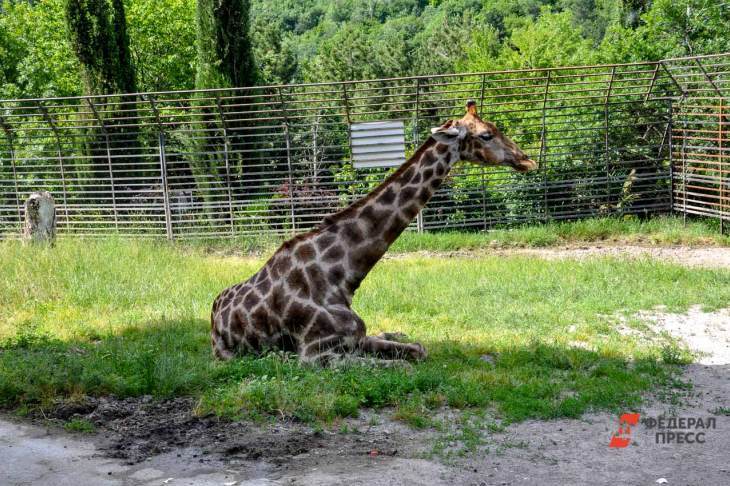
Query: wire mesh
(276, 159)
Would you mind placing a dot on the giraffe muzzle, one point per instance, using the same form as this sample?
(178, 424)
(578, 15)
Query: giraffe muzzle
(524, 165)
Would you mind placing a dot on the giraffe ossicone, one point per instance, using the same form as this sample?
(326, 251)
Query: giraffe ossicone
(300, 300)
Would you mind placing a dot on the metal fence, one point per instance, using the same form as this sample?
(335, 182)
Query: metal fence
(276, 159)
(700, 145)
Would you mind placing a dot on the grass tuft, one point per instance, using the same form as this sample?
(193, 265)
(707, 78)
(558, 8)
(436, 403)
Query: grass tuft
(79, 426)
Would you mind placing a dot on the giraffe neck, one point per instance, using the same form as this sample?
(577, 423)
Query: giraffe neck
(371, 225)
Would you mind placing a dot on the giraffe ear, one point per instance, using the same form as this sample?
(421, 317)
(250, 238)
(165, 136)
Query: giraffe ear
(448, 132)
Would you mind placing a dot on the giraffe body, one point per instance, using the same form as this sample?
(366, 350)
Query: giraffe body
(300, 300)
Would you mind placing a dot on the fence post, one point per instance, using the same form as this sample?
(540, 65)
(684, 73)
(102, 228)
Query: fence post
(11, 148)
(416, 142)
(165, 190)
(226, 159)
(102, 125)
(607, 148)
(684, 170)
(484, 179)
(290, 178)
(543, 148)
(721, 134)
(670, 142)
(346, 101)
(53, 126)
(163, 168)
(289, 169)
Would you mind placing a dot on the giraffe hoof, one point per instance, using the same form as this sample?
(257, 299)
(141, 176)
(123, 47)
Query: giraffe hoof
(418, 352)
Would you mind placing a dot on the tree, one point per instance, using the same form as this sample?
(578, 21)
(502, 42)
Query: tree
(98, 31)
(162, 42)
(224, 49)
(225, 60)
(274, 52)
(551, 40)
(35, 53)
(342, 57)
(671, 28)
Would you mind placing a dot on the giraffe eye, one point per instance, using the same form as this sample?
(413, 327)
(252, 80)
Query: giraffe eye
(486, 136)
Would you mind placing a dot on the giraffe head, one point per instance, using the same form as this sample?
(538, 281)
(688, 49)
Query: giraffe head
(482, 142)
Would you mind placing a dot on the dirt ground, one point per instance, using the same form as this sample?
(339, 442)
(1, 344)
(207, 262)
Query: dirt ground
(712, 257)
(141, 441)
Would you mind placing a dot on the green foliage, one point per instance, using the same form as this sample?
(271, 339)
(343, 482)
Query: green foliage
(551, 40)
(317, 40)
(162, 42)
(670, 28)
(35, 53)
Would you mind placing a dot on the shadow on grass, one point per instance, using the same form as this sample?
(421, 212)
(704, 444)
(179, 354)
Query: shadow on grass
(172, 357)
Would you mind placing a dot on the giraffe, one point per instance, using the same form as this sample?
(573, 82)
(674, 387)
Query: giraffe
(300, 300)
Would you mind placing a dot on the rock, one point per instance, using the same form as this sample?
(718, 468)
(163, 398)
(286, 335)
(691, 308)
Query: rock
(40, 218)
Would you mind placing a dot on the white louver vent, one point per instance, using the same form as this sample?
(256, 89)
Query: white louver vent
(378, 144)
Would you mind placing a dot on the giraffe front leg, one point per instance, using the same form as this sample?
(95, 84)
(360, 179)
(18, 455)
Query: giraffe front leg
(392, 336)
(325, 350)
(392, 349)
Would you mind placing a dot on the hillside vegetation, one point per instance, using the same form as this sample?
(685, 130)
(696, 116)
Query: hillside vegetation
(322, 40)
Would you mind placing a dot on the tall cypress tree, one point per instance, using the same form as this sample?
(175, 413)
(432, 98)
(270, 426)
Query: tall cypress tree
(99, 37)
(225, 56)
(98, 30)
(225, 60)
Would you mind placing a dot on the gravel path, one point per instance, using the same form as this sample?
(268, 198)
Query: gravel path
(714, 257)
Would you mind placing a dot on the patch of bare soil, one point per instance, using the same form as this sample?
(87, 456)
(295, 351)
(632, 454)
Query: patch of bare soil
(706, 334)
(162, 439)
(135, 429)
(712, 257)
(576, 452)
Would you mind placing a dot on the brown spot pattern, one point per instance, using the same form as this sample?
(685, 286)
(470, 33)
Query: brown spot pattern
(305, 252)
(297, 282)
(300, 300)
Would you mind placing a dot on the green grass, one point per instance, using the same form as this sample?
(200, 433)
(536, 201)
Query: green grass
(131, 317)
(80, 426)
